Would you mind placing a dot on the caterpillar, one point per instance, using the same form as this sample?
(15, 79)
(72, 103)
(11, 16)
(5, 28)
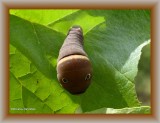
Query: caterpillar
(74, 70)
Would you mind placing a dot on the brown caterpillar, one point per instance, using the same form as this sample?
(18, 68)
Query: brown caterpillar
(74, 70)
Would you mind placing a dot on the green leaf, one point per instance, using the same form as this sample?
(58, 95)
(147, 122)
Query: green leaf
(113, 40)
(134, 110)
(35, 104)
(12, 49)
(112, 46)
(15, 88)
(17, 61)
(77, 18)
(15, 94)
(53, 18)
(44, 17)
(32, 92)
(24, 37)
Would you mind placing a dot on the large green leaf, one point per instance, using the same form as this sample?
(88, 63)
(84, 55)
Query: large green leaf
(113, 41)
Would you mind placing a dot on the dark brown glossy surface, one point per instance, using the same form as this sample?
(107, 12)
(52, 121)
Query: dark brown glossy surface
(74, 71)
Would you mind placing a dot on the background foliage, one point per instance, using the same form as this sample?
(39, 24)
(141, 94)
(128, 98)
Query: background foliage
(143, 84)
(113, 41)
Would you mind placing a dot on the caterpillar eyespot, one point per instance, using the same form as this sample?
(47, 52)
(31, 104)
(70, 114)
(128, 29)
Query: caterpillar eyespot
(64, 80)
(88, 76)
(73, 63)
